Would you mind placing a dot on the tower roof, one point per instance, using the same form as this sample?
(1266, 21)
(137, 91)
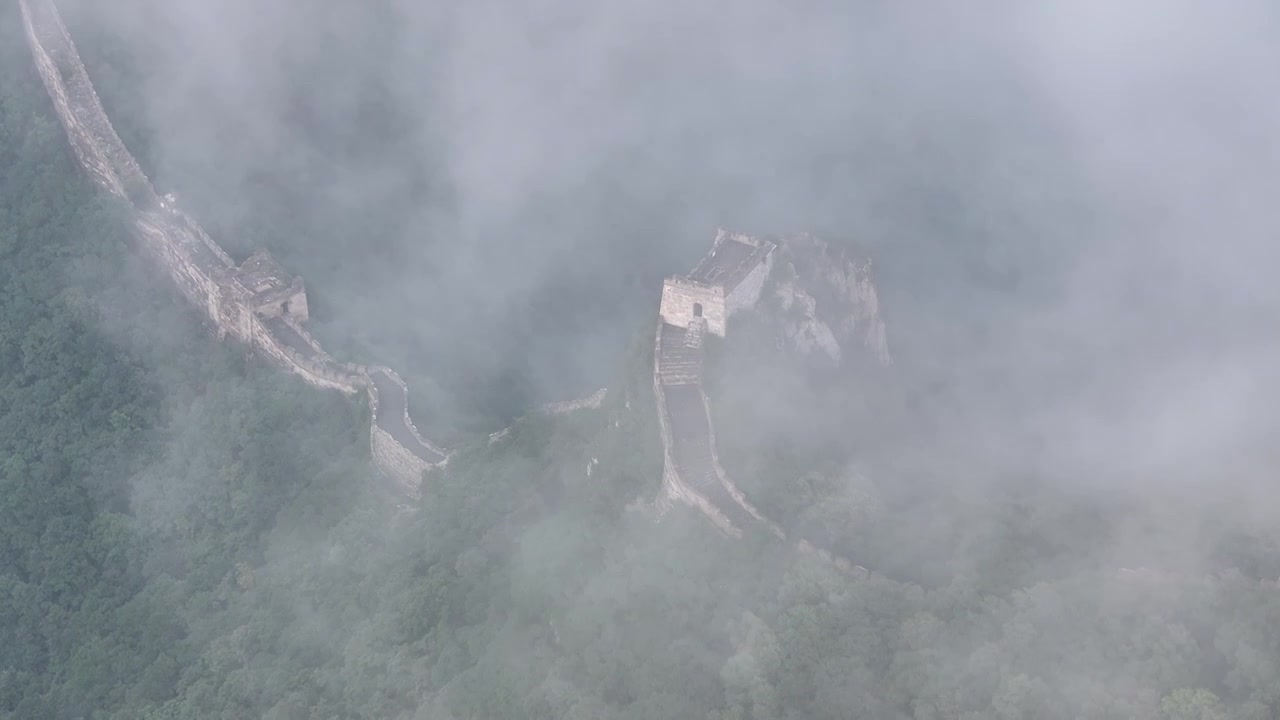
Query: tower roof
(731, 259)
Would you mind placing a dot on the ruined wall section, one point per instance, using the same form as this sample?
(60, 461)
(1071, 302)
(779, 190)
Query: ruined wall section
(202, 271)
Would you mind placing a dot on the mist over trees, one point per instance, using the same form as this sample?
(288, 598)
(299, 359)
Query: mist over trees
(1063, 491)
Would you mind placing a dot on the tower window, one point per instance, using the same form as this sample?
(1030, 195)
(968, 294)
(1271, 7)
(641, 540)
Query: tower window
(697, 309)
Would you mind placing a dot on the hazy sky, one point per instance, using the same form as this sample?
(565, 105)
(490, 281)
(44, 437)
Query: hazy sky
(1070, 204)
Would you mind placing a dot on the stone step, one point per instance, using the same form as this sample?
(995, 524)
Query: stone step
(680, 379)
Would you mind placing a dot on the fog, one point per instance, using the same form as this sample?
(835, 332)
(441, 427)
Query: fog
(473, 171)
(1069, 206)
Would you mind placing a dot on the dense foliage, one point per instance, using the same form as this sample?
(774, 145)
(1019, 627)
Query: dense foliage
(187, 534)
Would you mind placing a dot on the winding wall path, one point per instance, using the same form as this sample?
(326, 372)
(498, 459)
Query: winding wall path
(692, 472)
(203, 272)
(208, 277)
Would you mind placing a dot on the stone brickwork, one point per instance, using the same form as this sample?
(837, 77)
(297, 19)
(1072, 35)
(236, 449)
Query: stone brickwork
(728, 279)
(396, 445)
(255, 303)
(684, 299)
(94, 141)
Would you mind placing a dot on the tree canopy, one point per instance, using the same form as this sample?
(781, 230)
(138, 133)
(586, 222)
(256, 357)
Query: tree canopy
(189, 533)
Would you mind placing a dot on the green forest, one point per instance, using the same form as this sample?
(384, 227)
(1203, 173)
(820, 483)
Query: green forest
(189, 533)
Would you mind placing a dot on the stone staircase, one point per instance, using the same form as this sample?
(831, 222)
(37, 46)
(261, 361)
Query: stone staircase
(679, 360)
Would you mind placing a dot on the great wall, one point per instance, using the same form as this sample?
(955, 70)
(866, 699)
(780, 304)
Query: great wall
(727, 280)
(255, 302)
(258, 305)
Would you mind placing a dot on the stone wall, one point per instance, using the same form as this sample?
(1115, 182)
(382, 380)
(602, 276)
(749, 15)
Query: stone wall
(677, 366)
(96, 143)
(674, 488)
(47, 37)
(200, 269)
(396, 461)
(728, 485)
(208, 278)
(389, 401)
(318, 370)
(681, 295)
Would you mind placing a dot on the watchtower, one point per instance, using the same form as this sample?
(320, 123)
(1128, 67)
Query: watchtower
(729, 278)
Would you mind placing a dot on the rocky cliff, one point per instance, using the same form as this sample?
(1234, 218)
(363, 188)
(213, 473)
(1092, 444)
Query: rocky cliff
(823, 300)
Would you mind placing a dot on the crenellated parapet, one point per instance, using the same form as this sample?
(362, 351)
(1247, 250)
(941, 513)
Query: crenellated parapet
(255, 303)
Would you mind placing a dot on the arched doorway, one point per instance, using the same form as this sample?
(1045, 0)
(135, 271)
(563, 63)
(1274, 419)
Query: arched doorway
(697, 309)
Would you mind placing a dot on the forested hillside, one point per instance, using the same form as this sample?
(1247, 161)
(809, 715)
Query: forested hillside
(186, 533)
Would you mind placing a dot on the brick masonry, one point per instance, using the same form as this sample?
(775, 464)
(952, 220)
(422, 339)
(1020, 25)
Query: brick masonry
(256, 304)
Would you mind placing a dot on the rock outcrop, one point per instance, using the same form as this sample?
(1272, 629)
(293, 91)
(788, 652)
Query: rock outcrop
(826, 301)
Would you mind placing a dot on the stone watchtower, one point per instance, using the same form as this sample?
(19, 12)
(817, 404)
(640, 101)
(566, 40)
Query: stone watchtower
(729, 278)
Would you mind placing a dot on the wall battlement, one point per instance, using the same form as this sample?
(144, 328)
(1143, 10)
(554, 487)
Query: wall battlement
(255, 303)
